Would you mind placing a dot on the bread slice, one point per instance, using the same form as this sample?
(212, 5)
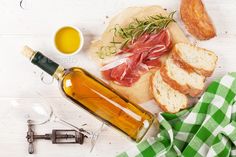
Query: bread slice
(169, 99)
(186, 82)
(193, 58)
(140, 91)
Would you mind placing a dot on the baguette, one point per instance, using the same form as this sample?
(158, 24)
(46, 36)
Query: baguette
(196, 19)
(169, 99)
(186, 82)
(193, 58)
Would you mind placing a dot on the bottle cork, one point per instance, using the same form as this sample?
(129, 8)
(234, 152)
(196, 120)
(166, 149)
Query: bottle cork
(28, 52)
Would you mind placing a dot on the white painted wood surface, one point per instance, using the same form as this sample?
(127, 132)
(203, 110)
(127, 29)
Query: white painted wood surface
(35, 26)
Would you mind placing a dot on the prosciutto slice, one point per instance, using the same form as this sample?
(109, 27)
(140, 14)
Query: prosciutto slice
(144, 54)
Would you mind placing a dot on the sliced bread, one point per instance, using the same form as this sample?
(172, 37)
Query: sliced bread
(193, 58)
(186, 82)
(169, 99)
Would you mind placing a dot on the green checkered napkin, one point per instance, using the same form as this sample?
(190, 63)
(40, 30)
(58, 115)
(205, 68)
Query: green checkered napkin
(207, 129)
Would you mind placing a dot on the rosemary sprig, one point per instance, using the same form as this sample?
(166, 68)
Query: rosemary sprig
(151, 24)
(106, 51)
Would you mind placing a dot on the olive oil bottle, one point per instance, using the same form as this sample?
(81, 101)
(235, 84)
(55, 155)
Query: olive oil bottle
(96, 97)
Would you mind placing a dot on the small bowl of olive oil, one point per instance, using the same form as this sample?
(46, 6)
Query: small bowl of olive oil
(68, 40)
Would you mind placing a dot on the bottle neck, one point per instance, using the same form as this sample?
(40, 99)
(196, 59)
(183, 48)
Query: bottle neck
(59, 73)
(49, 66)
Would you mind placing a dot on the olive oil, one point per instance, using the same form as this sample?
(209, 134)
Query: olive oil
(67, 40)
(96, 97)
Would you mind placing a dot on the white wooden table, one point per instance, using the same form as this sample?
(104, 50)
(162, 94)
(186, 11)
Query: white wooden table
(35, 26)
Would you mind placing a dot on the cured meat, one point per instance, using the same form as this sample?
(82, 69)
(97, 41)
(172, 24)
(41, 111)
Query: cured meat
(144, 54)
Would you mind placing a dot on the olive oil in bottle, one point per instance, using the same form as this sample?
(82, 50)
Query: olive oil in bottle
(96, 97)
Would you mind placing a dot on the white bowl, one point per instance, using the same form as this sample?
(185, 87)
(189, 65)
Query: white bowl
(81, 41)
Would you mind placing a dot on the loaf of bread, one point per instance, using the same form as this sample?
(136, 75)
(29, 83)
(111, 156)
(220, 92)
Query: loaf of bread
(193, 58)
(169, 99)
(196, 19)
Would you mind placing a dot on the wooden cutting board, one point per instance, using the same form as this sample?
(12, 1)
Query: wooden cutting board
(139, 92)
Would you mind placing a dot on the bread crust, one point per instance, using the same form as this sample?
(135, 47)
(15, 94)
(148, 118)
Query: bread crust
(185, 89)
(153, 91)
(177, 58)
(196, 19)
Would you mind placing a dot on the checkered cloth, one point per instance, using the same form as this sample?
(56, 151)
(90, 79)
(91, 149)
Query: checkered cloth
(207, 129)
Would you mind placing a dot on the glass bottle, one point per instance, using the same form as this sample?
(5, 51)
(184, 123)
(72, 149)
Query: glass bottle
(96, 97)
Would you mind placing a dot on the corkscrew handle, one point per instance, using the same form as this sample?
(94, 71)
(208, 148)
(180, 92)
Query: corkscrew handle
(31, 148)
(30, 137)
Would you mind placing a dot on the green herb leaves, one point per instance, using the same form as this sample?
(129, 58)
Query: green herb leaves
(106, 51)
(151, 24)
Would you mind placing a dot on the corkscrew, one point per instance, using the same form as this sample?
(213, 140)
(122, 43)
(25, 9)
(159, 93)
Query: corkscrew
(57, 137)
